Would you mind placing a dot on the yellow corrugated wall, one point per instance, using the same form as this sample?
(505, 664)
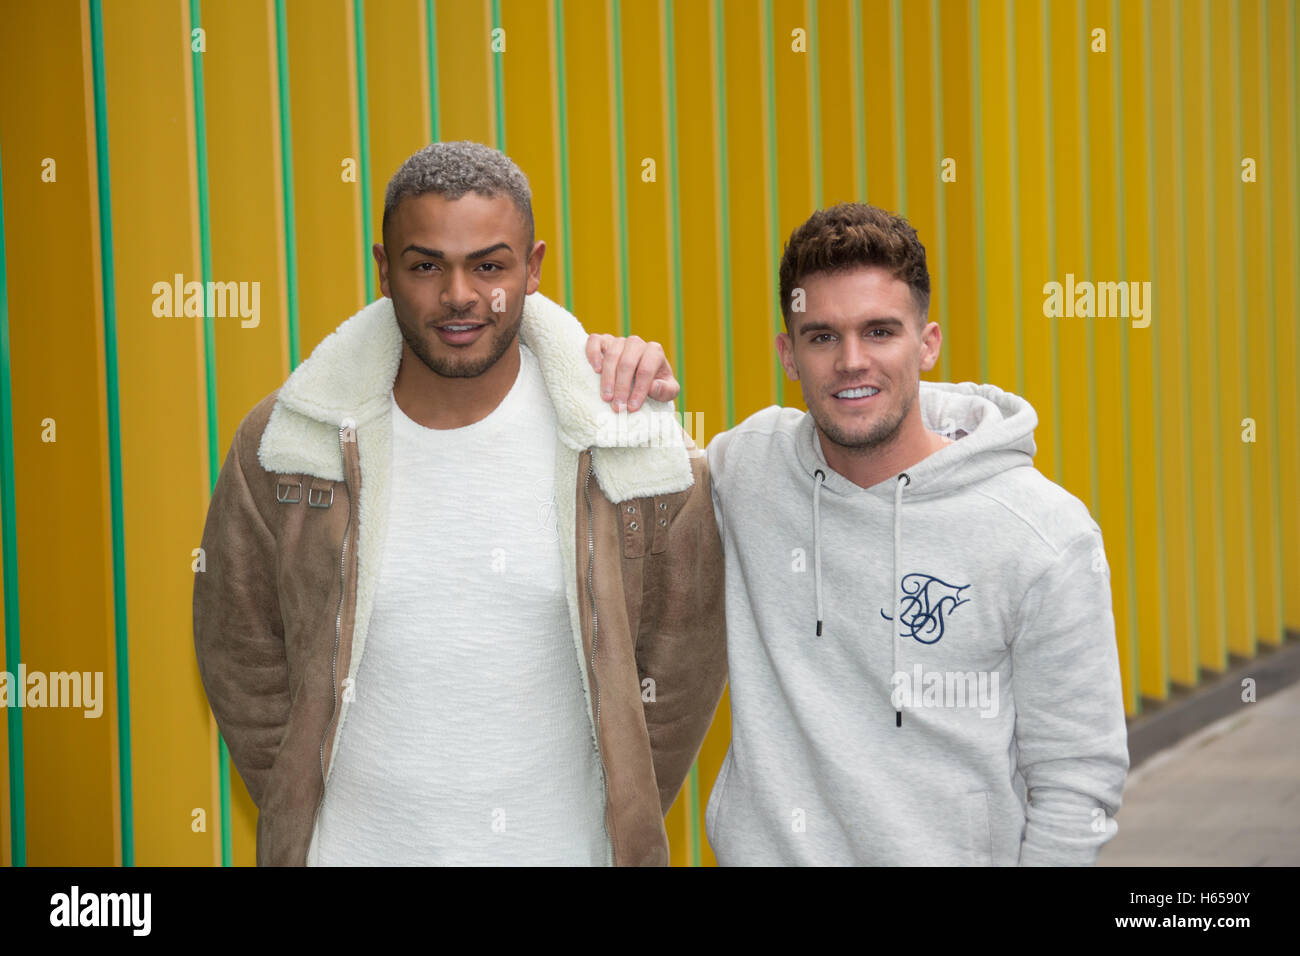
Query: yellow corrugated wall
(671, 145)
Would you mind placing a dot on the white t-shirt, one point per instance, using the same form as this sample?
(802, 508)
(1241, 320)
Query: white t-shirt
(468, 741)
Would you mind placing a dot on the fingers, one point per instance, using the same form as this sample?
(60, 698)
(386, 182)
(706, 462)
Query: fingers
(665, 388)
(603, 352)
(595, 344)
(612, 350)
(625, 373)
(652, 367)
(631, 370)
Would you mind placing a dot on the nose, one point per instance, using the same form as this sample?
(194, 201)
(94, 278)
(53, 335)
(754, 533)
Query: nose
(853, 355)
(458, 294)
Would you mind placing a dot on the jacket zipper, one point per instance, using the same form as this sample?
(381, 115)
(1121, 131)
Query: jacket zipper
(338, 630)
(595, 633)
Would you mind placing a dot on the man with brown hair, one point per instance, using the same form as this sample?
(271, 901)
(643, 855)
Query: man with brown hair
(919, 632)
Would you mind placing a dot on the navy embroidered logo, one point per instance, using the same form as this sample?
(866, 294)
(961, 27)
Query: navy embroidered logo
(925, 604)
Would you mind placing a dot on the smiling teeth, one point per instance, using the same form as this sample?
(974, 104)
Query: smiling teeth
(457, 328)
(857, 392)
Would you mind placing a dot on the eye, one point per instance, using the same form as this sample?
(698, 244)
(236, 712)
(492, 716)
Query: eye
(821, 335)
(492, 266)
(884, 332)
(419, 266)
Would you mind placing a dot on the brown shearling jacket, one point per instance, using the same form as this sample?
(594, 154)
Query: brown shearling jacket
(292, 545)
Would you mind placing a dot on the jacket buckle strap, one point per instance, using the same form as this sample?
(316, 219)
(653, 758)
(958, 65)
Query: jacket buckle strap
(283, 490)
(316, 495)
(633, 528)
(662, 520)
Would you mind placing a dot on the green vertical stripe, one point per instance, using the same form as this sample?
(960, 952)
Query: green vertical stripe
(1049, 163)
(1293, 95)
(724, 206)
(1212, 301)
(499, 82)
(815, 103)
(363, 132)
(675, 202)
(205, 247)
(1180, 207)
(1294, 87)
(858, 119)
(1244, 321)
(9, 544)
(620, 162)
(431, 54)
(1126, 329)
(940, 195)
(724, 270)
(1157, 378)
(286, 180)
(900, 129)
(1085, 205)
(1013, 132)
(209, 364)
(981, 259)
(773, 209)
(679, 348)
(109, 290)
(562, 133)
(1275, 439)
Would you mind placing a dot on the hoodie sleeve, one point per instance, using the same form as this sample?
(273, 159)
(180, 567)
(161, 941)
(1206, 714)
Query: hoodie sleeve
(1070, 730)
(716, 457)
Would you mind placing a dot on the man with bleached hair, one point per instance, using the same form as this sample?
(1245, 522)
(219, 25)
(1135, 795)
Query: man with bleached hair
(449, 615)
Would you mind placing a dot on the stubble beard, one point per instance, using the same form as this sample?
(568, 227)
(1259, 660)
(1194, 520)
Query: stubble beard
(881, 435)
(453, 366)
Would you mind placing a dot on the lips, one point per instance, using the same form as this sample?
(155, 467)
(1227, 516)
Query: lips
(460, 333)
(856, 395)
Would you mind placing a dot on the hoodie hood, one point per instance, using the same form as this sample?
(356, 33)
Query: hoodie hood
(993, 431)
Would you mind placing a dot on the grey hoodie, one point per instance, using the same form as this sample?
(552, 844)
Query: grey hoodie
(909, 661)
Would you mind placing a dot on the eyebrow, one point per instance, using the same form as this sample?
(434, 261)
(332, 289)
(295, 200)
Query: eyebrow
(438, 253)
(877, 322)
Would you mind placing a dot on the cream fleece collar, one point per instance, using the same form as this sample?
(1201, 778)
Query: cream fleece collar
(348, 379)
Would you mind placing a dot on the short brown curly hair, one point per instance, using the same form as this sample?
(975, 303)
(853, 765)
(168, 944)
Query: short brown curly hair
(850, 235)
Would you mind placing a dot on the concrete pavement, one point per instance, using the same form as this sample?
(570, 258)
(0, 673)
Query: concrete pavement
(1228, 795)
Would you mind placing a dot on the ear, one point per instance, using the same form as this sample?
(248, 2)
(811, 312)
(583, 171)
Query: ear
(931, 340)
(534, 267)
(381, 260)
(785, 349)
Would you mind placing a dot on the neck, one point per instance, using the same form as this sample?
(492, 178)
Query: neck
(866, 467)
(437, 401)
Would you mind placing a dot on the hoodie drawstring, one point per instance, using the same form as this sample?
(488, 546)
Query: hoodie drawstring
(817, 545)
(903, 481)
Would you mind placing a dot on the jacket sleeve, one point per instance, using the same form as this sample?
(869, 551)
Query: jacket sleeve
(238, 635)
(685, 652)
(1070, 730)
